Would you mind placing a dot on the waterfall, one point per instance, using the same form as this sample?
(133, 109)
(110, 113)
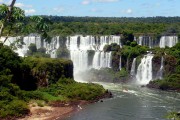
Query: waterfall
(160, 72)
(107, 40)
(169, 41)
(12, 40)
(144, 70)
(133, 67)
(101, 60)
(80, 45)
(120, 63)
(80, 60)
(145, 41)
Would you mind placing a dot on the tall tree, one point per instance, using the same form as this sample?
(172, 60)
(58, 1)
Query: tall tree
(10, 15)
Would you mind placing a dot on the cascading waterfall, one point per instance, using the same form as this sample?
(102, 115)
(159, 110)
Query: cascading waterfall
(12, 40)
(120, 63)
(27, 40)
(79, 46)
(52, 47)
(133, 67)
(169, 41)
(80, 60)
(160, 72)
(145, 41)
(144, 70)
(101, 60)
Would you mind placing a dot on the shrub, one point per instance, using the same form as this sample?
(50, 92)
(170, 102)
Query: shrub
(14, 108)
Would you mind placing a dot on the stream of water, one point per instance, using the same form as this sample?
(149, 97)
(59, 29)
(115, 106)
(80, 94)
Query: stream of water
(130, 102)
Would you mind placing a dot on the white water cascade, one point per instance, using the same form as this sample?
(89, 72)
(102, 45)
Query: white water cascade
(133, 67)
(145, 41)
(151, 42)
(120, 63)
(160, 72)
(79, 46)
(144, 70)
(169, 41)
(101, 60)
(10, 41)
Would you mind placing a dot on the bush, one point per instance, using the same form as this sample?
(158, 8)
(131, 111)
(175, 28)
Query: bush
(63, 52)
(14, 108)
(171, 82)
(69, 89)
(45, 71)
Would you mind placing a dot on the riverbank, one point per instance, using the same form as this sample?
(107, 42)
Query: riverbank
(165, 85)
(59, 110)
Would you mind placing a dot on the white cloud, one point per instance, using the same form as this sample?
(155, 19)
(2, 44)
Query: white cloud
(105, 0)
(58, 9)
(95, 10)
(30, 11)
(22, 5)
(128, 11)
(85, 2)
(19, 5)
(1, 1)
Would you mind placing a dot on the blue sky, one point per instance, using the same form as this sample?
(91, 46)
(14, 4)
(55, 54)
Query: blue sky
(103, 8)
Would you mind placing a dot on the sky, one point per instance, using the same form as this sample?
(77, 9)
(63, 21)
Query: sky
(100, 8)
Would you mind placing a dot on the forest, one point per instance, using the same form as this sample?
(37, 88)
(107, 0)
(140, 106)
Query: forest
(45, 80)
(64, 26)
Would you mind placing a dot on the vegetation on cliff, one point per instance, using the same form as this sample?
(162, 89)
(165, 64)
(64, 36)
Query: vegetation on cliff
(171, 71)
(39, 79)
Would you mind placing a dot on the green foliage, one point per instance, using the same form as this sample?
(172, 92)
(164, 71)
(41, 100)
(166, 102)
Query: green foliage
(107, 75)
(127, 38)
(42, 26)
(47, 70)
(40, 103)
(32, 49)
(133, 44)
(132, 52)
(62, 52)
(102, 26)
(13, 108)
(49, 97)
(111, 47)
(73, 90)
(171, 82)
(173, 116)
(115, 60)
(121, 76)
(170, 64)
(10, 61)
(10, 19)
(10, 103)
(123, 73)
(107, 48)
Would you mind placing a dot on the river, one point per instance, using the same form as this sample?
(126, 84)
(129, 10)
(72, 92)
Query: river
(130, 102)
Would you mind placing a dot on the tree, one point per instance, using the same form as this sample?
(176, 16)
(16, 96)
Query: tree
(10, 15)
(42, 26)
(127, 38)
